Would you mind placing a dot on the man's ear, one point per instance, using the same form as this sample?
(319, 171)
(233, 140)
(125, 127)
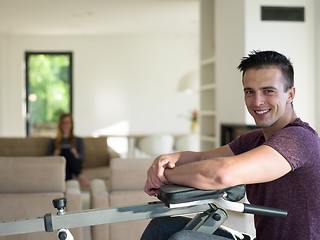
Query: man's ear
(292, 93)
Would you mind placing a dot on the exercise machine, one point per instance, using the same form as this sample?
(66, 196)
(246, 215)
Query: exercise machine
(175, 200)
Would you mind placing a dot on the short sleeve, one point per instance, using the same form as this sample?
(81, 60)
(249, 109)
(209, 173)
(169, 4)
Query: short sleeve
(298, 145)
(247, 142)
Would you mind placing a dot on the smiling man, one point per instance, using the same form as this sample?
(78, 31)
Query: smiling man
(280, 163)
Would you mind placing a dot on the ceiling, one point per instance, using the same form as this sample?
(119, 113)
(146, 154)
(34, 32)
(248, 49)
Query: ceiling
(98, 17)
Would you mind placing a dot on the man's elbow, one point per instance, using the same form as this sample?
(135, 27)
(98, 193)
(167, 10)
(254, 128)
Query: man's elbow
(223, 176)
(217, 179)
(224, 179)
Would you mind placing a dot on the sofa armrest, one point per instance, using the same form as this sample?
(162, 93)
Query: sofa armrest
(99, 199)
(129, 173)
(99, 194)
(74, 198)
(73, 187)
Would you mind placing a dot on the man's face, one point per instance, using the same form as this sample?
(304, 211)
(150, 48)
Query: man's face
(265, 98)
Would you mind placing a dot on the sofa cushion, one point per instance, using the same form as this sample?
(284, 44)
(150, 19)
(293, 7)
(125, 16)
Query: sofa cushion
(32, 174)
(30, 146)
(96, 152)
(21, 206)
(27, 205)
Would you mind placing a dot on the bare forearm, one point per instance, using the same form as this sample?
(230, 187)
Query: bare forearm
(179, 163)
(207, 174)
(223, 151)
(155, 174)
(186, 157)
(262, 164)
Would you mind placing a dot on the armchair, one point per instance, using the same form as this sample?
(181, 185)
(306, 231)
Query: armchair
(27, 187)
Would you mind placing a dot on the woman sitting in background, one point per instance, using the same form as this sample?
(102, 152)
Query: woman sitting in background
(71, 147)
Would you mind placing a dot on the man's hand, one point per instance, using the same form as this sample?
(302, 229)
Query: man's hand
(155, 175)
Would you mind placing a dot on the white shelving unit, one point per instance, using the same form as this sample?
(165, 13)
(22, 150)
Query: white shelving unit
(222, 45)
(208, 90)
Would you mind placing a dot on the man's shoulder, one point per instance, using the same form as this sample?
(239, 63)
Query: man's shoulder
(299, 127)
(257, 133)
(247, 141)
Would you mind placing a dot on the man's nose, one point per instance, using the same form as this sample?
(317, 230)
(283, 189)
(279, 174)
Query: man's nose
(259, 99)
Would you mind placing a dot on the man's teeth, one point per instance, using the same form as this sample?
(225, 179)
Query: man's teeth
(262, 112)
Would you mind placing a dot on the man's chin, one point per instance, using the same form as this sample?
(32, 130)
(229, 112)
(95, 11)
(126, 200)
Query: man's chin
(262, 124)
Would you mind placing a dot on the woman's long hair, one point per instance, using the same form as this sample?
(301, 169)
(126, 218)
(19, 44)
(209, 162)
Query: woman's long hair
(59, 130)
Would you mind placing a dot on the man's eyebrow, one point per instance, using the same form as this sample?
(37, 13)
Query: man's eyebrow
(263, 88)
(268, 87)
(247, 88)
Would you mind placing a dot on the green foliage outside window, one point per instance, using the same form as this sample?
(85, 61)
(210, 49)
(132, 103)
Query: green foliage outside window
(49, 87)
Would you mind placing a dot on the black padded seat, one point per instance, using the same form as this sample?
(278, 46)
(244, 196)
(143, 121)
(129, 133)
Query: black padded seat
(174, 194)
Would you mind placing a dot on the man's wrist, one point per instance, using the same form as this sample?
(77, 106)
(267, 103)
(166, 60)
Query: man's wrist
(167, 174)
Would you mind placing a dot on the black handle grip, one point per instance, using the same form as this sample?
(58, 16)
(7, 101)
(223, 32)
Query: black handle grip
(265, 211)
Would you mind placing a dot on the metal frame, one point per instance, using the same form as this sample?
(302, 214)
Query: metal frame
(94, 217)
(208, 219)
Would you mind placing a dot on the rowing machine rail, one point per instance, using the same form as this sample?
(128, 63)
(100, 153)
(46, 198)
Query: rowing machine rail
(173, 203)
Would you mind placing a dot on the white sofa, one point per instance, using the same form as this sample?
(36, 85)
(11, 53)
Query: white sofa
(27, 187)
(127, 179)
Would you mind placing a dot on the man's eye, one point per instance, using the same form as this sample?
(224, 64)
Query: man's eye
(248, 92)
(269, 91)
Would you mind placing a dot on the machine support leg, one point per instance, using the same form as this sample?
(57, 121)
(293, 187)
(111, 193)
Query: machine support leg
(209, 221)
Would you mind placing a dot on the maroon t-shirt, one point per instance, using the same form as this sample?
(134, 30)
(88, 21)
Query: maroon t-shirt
(298, 191)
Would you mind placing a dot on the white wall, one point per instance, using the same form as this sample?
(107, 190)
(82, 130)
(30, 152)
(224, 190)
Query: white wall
(294, 39)
(245, 32)
(116, 79)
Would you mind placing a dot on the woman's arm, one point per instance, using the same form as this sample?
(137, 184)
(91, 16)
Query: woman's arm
(50, 148)
(80, 149)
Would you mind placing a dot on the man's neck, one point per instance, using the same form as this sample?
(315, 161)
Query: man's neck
(269, 131)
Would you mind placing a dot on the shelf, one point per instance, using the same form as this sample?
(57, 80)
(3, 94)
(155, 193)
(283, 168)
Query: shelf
(208, 113)
(207, 143)
(208, 120)
(208, 87)
(208, 61)
(208, 125)
(208, 138)
(208, 74)
(208, 100)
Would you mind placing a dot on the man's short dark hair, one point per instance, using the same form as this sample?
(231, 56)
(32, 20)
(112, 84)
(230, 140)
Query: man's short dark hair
(264, 59)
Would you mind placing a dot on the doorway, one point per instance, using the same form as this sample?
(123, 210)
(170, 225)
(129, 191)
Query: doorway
(48, 90)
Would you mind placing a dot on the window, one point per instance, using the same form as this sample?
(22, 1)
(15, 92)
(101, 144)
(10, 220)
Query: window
(48, 90)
